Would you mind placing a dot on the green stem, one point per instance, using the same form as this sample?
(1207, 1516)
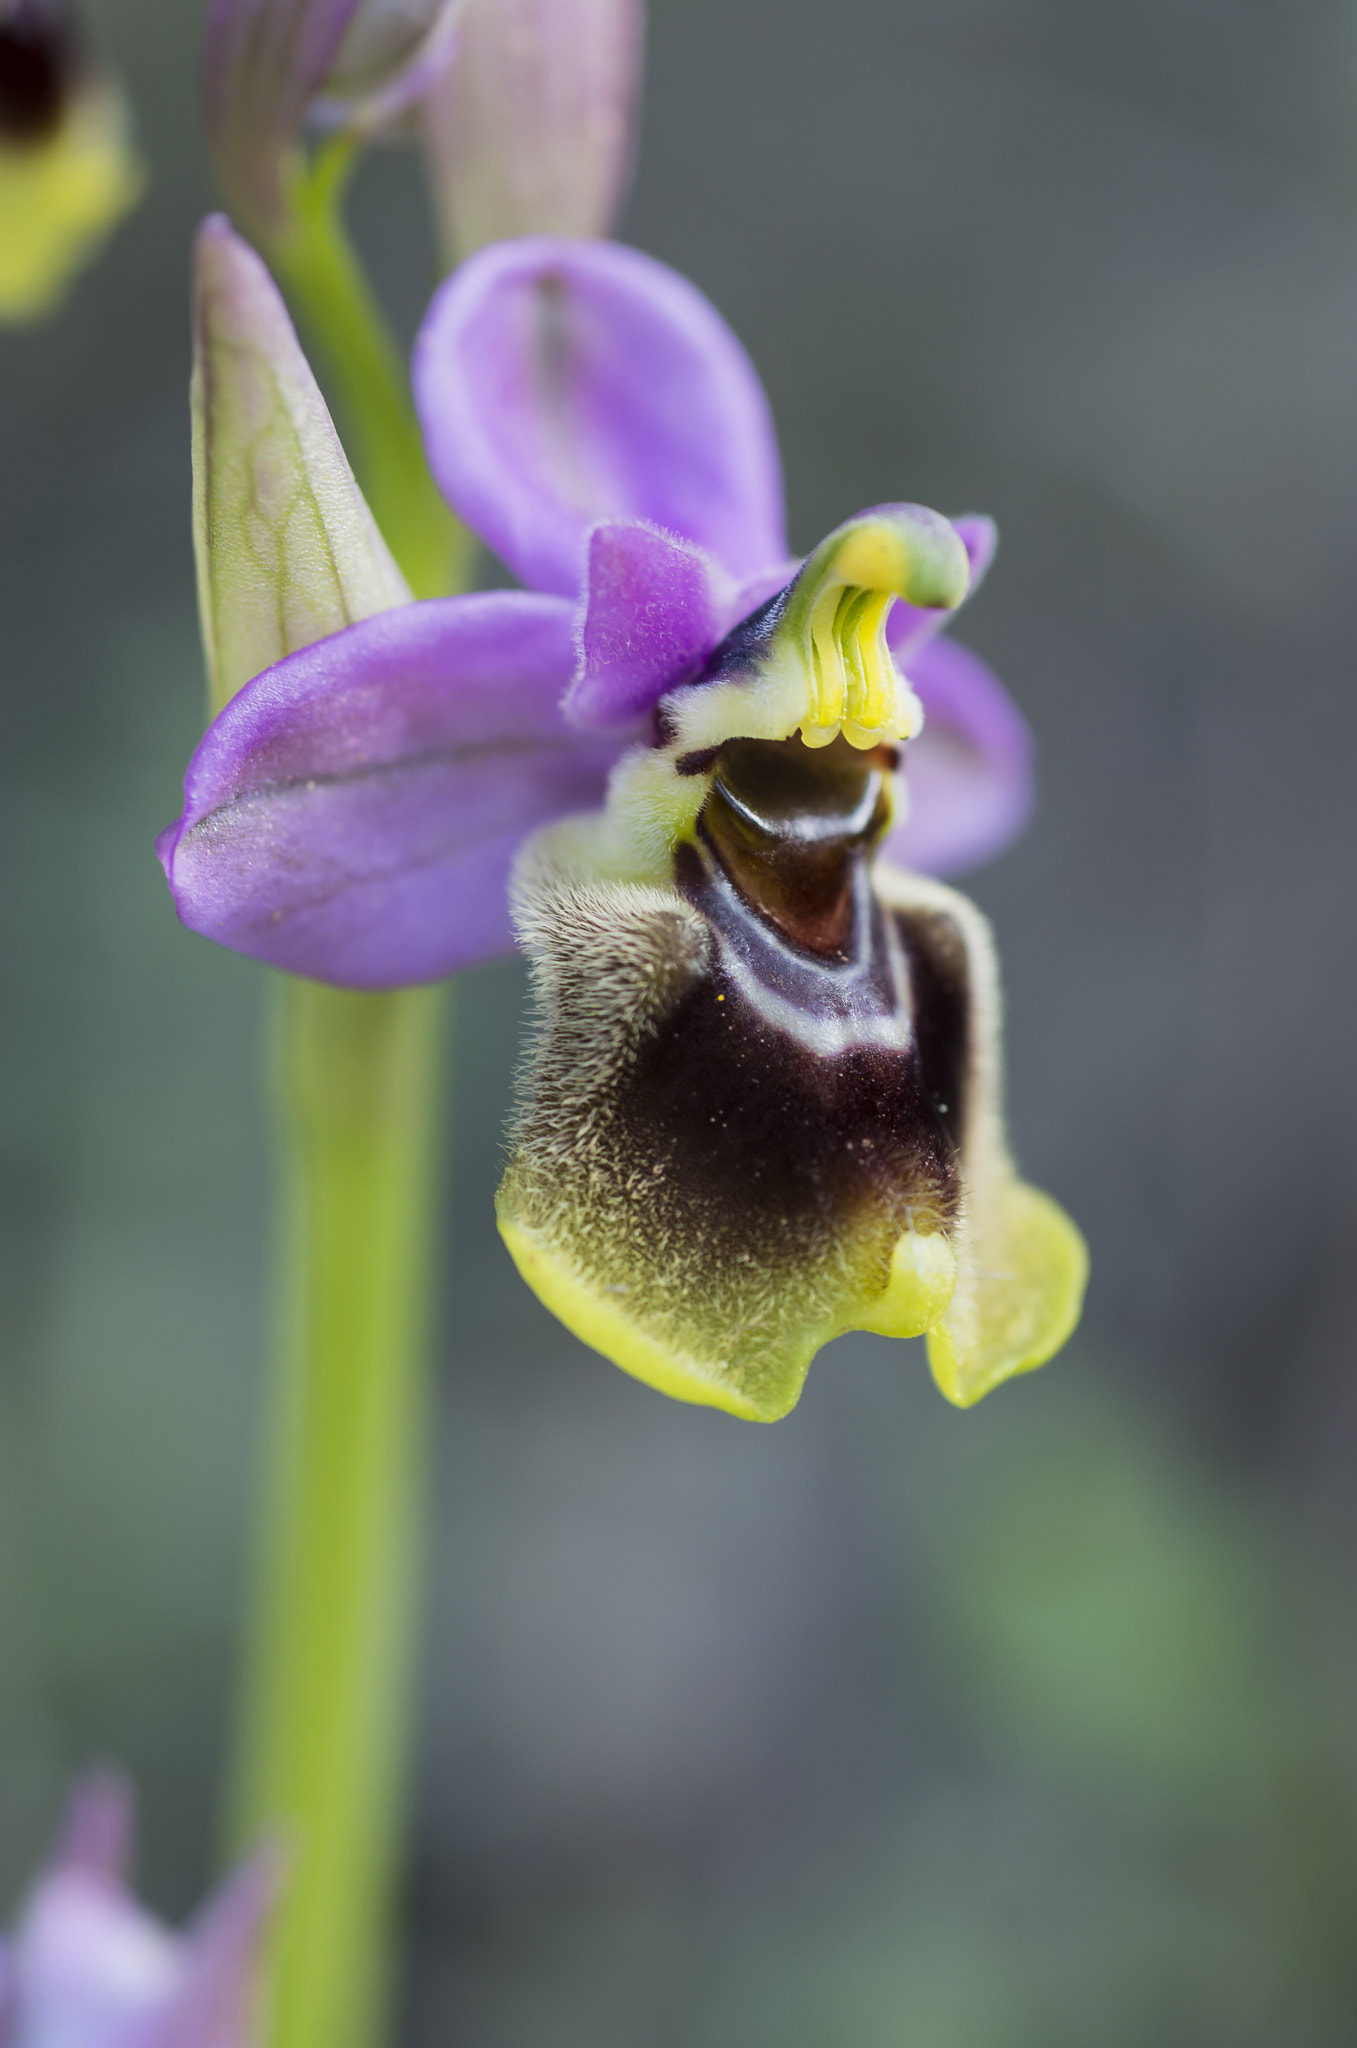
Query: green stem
(357, 360)
(325, 1731)
(357, 1079)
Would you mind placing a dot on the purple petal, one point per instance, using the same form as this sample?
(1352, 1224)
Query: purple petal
(909, 627)
(654, 609)
(969, 773)
(351, 815)
(215, 2004)
(561, 383)
(90, 1967)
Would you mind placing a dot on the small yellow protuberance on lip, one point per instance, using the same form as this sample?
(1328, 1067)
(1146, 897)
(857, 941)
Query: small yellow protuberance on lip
(922, 1277)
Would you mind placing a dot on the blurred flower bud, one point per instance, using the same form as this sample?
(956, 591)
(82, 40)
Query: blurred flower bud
(390, 55)
(530, 129)
(270, 66)
(88, 1967)
(287, 549)
(67, 168)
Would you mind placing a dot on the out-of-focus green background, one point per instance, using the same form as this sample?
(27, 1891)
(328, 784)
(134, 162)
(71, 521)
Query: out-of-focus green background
(1029, 1728)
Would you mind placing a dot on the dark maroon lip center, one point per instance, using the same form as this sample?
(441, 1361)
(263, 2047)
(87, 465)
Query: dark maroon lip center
(37, 65)
(791, 826)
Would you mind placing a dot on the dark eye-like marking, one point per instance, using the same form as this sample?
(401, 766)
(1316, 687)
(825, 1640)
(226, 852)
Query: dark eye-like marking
(790, 824)
(36, 60)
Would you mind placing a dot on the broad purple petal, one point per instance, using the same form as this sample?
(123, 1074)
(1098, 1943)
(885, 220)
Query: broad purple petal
(969, 774)
(561, 383)
(654, 609)
(215, 2004)
(351, 815)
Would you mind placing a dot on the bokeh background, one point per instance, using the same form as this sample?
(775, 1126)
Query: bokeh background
(1025, 1728)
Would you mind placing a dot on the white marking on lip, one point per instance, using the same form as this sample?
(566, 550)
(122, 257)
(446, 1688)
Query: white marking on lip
(826, 1036)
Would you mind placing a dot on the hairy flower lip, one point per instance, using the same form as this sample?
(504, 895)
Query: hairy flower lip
(730, 1153)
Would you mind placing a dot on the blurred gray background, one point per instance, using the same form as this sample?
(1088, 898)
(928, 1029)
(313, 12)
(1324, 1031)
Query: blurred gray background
(1027, 1728)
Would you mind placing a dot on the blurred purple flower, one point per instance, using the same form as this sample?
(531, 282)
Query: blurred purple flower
(531, 129)
(353, 813)
(269, 66)
(88, 1967)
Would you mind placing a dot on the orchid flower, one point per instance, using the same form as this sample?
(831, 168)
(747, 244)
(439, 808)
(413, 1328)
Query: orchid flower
(88, 1967)
(270, 67)
(68, 171)
(764, 1107)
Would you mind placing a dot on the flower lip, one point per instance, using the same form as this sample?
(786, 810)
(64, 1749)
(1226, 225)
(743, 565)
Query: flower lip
(38, 61)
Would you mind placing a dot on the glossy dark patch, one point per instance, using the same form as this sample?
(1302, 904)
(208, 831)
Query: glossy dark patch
(791, 826)
(37, 59)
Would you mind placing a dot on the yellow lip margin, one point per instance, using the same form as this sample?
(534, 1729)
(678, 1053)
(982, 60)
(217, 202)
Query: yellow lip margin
(608, 1329)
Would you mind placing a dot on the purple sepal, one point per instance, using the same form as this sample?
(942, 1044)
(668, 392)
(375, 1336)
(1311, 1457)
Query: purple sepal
(969, 773)
(352, 814)
(89, 1968)
(561, 383)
